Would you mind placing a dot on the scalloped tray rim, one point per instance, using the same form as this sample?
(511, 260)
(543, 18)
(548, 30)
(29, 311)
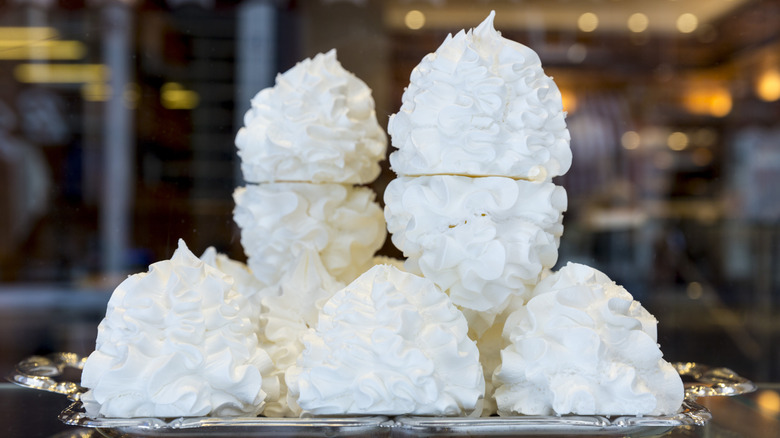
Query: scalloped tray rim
(37, 372)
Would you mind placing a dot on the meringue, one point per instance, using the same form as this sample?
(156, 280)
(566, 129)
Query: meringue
(582, 345)
(482, 240)
(244, 282)
(316, 124)
(480, 105)
(177, 341)
(389, 343)
(281, 222)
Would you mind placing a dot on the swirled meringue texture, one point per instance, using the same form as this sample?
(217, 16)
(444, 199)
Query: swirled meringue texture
(482, 240)
(281, 222)
(287, 314)
(582, 345)
(177, 341)
(243, 281)
(481, 105)
(317, 124)
(390, 343)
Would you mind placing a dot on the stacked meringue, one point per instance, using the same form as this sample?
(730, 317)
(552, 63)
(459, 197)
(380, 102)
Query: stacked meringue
(480, 134)
(307, 143)
(307, 226)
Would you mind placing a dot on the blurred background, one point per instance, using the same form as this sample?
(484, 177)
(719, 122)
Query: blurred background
(118, 118)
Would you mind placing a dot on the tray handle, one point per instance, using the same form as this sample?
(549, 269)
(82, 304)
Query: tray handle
(710, 381)
(43, 372)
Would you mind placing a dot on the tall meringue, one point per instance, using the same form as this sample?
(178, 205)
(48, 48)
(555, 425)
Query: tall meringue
(480, 134)
(582, 345)
(481, 105)
(317, 124)
(389, 343)
(177, 341)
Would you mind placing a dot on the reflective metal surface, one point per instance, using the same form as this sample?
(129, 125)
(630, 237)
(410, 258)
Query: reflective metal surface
(47, 373)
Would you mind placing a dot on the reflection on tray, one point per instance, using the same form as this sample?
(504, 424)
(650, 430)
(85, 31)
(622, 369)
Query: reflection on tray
(47, 373)
(706, 381)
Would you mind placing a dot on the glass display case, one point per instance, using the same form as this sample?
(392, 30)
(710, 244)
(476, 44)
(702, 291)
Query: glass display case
(118, 121)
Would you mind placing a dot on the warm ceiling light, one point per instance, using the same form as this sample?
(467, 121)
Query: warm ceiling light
(174, 96)
(677, 141)
(720, 104)
(588, 22)
(630, 140)
(638, 22)
(768, 86)
(713, 102)
(28, 33)
(59, 50)
(414, 19)
(61, 73)
(687, 23)
(768, 402)
(569, 100)
(95, 92)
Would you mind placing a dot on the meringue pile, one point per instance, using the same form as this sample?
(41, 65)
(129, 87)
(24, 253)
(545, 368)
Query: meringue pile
(307, 143)
(473, 322)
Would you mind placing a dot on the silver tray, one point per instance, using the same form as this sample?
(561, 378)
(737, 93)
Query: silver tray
(49, 373)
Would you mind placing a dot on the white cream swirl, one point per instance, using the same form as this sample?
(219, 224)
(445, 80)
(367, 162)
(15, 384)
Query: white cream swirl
(288, 311)
(419, 205)
(390, 343)
(481, 105)
(283, 221)
(582, 345)
(317, 124)
(482, 240)
(177, 341)
(244, 282)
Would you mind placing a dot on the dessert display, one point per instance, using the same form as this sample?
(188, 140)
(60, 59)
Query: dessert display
(473, 322)
(582, 345)
(177, 341)
(390, 343)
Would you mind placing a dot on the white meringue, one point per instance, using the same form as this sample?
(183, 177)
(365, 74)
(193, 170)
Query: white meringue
(390, 343)
(243, 281)
(317, 124)
(582, 345)
(482, 240)
(481, 105)
(177, 341)
(281, 222)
